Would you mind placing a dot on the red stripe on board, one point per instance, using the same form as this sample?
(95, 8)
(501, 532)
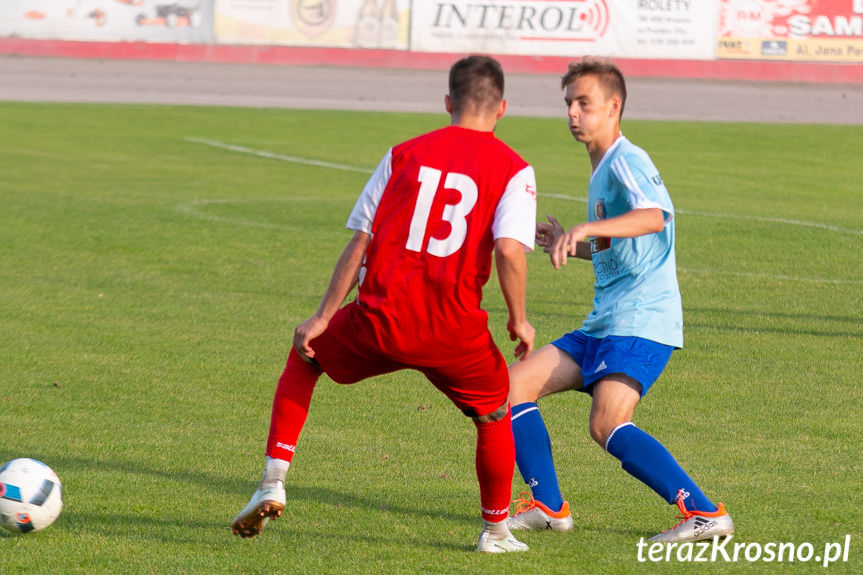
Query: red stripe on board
(771, 71)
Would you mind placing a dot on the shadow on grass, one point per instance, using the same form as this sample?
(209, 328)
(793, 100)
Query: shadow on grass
(239, 490)
(288, 531)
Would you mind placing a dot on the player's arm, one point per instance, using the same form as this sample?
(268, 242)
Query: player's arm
(343, 280)
(511, 264)
(547, 234)
(347, 268)
(629, 225)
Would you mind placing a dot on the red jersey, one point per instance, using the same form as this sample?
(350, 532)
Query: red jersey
(434, 207)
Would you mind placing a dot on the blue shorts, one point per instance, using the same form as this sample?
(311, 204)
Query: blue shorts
(641, 359)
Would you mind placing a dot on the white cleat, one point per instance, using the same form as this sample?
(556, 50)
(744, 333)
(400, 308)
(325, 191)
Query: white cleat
(533, 514)
(697, 525)
(264, 505)
(496, 538)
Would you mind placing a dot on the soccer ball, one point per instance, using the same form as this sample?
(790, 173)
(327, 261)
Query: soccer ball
(30, 498)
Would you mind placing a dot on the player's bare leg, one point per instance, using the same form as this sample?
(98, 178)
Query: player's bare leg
(614, 401)
(546, 371)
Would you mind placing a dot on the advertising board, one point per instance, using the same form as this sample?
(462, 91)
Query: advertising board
(331, 23)
(682, 29)
(177, 21)
(798, 30)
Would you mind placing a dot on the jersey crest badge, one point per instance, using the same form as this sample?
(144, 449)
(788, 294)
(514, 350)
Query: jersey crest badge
(599, 209)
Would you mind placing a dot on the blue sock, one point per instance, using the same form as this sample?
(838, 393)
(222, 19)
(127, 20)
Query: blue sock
(649, 461)
(533, 455)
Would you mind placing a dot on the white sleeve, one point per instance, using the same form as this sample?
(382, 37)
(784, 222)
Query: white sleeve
(363, 214)
(643, 191)
(515, 216)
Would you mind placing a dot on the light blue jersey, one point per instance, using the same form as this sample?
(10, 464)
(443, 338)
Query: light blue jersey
(636, 291)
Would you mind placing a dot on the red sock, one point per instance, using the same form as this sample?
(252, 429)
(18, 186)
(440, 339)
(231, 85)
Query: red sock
(495, 463)
(291, 406)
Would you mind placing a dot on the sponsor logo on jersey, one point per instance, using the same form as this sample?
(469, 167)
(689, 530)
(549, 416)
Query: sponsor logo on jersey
(599, 245)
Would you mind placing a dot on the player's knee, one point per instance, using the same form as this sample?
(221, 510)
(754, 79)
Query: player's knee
(519, 394)
(598, 433)
(600, 429)
(495, 415)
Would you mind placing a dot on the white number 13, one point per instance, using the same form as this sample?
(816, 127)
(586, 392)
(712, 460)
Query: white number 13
(455, 214)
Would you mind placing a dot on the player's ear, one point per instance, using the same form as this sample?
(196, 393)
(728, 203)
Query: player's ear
(614, 109)
(448, 104)
(501, 109)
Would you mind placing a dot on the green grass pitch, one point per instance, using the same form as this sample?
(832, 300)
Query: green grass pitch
(149, 286)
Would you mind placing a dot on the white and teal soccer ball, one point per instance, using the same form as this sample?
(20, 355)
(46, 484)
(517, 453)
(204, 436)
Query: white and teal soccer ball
(30, 495)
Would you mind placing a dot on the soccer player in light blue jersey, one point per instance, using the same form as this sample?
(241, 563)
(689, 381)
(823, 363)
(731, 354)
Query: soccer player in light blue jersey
(635, 325)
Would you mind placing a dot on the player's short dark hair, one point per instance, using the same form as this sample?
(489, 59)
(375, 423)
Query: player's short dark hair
(610, 76)
(476, 81)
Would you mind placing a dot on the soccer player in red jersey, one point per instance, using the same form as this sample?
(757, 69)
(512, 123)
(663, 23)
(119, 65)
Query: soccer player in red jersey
(425, 228)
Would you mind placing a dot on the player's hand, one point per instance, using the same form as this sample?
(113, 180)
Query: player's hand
(524, 333)
(566, 245)
(547, 233)
(306, 332)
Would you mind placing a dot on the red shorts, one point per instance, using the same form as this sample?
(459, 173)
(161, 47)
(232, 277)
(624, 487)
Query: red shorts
(476, 382)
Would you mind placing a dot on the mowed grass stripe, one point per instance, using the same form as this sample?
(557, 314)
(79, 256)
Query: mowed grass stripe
(190, 208)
